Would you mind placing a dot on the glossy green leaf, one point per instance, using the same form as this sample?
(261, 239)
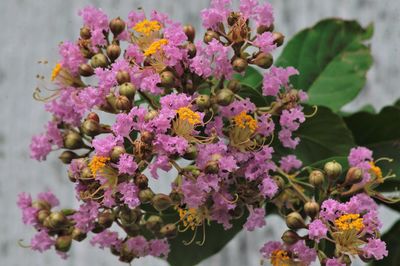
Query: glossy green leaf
(332, 61)
(251, 82)
(393, 245)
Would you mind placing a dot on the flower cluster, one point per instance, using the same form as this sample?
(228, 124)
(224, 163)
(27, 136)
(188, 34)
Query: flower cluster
(178, 104)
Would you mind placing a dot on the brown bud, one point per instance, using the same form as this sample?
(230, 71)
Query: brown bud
(147, 137)
(290, 237)
(169, 231)
(72, 140)
(141, 181)
(295, 221)
(154, 223)
(262, 28)
(57, 219)
(263, 60)
(41, 205)
(333, 169)
(191, 153)
(91, 128)
(279, 38)
(210, 35)
(161, 202)
(85, 33)
(86, 173)
(353, 176)
(78, 234)
(123, 77)
(113, 51)
(190, 32)
(212, 167)
(150, 115)
(86, 70)
(311, 208)
(106, 219)
(123, 103)
(239, 64)
(63, 243)
(233, 18)
(117, 25)
(116, 152)
(42, 215)
(192, 50)
(203, 102)
(93, 116)
(316, 178)
(234, 85)
(99, 60)
(146, 195)
(225, 97)
(67, 156)
(167, 79)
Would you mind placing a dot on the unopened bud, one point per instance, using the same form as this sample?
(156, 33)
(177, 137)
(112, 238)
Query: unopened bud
(353, 176)
(210, 35)
(150, 115)
(154, 223)
(311, 208)
(73, 140)
(262, 28)
(212, 167)
(279, 181)
(91, 128)
(203, 102)
(99, 60)
(123, 103)
(190, 32)
(167, 79)
(279, 38)
(333, 169)
(113, 51)
(86, 70)
(116, 152)
(106, 219)
(67, 156)
(147, 137)
(86, 173)
(63, 243)
(192, 50)
(233, 18)
(93, 116)
(141, 181)
(190, 153)
(117, 26)
(128, 90)
(263, 60)
(316, 178)
(290, 237)
(169, 231)
(295, 221)
(123, 77)
(78, 234)
(146, 195)
(42, 215)
(234, 85)
(225, 97)
(161, 202)
(41, 205)
(57, 219)
(85, 33)
(239, 64)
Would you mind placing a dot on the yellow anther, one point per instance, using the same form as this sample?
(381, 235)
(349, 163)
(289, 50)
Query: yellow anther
(146, 27)
(185, 113)
(349, 221)
(280, 258)
(55, 72)
(155, 47)
(376, 170)
(244, 120)
(97, 163)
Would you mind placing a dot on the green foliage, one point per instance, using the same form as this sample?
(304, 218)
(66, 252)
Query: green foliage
(332, 61)
(251, 83)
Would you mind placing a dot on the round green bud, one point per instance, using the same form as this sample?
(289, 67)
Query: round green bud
(146, 195)
(311, 208)
(99, 60)
(67, 156)
(63, 243)
(225, 97)
(239, 64)
(123, 77)
(116, 152)
(86, 70)
(91, 127)
(333, 169)
(161, 202)
(117, 26)
(72, 140)
(290, 237)
(78, 234)
(123, 103)
(113, 51)
(316, 178)
(295, 221)
(154, 223)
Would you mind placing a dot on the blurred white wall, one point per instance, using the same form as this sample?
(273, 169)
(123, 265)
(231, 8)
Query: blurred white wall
(31, 30)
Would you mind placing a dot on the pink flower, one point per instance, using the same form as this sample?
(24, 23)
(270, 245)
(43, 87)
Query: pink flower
(268, 187)
(127, 164)
(264, 15)
(275, 78)
(330, 210)
(317, 230)
(86, 215)
(375, 248)
(256, 219)
(106, 239)
(236, 107)
(71, 57)
(129, 193)
(265, 42)
(361, 157)
(289, 163)
(290, 121)
(40, 147)
(193, 196)
(134, 17)
(49, 197)
(97, 21)
(42, 241)
(54, 135)
(138, 245)
(162, 162)
(123, 125)
(175, 101)
(247, 7)
(217, 13)
(221, 207)
(159, 247)
(133, 53)
(29, 214)
(305, 254)
(171, 145)
(270, 247)
(334, 262)
(149, 84)
(265, 125)
(104, 145)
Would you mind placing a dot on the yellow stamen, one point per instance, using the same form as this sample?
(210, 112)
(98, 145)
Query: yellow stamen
(55, 72)
(97, 163)
(191, 217)
(146, 27)
(185, 113)
(376, 170)
(280, 258)
(243, 119)
(349, 221)
(155, 46)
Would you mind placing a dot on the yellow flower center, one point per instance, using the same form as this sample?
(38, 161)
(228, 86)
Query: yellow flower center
(349, 221)
(376, 170)
(243, 119)
(191, 217)
(155, 46)
(146, 27)
(56, 71)
(97, 163)
(280, 258)
(185, 113)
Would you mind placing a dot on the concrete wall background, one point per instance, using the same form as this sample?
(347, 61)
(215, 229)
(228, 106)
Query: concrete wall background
(31, 30)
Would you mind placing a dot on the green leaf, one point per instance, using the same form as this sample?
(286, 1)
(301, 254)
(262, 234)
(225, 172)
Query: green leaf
(322, 136)
(332, 61)
(251, 82)
(393, 245)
